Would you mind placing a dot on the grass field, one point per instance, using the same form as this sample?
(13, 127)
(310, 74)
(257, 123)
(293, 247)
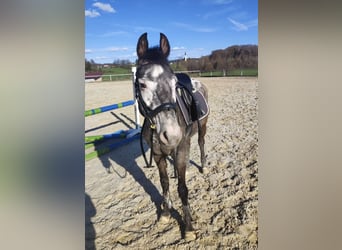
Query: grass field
(114, 71)
(116, 74)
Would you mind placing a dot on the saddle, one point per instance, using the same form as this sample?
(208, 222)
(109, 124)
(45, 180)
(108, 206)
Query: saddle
(191, 102)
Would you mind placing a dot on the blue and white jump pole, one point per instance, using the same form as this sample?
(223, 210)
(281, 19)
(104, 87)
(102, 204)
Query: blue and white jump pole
(126, 135)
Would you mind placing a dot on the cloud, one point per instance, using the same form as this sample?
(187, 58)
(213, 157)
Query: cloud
(178, 48)
(238, 26)
(92, 13)
(100, 58)
(193, 28)
(115, 49)
(243, 26)
(106, 7)
(87, 51)
(113, 33)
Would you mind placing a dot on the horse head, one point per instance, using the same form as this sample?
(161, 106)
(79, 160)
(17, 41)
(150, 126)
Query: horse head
(156, 91)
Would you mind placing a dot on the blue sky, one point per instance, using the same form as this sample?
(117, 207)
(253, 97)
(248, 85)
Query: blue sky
(194, 27)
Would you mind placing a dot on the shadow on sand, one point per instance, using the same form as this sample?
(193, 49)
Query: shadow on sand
(90, 234)
(130, 166)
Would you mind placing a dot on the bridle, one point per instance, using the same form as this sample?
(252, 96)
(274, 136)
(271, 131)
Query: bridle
(149, 115)
(146, 112)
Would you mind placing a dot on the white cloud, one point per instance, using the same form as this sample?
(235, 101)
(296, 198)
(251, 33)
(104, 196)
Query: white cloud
(91, 13)
(178, 48)
(238, 26)
(87, 51)
(104, 7)
(115, 49)
(102, 58)
(113, 33)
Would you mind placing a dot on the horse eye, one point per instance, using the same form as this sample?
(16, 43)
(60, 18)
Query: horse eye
(142, 85)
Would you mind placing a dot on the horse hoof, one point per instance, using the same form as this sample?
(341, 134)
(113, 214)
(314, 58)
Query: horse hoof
(164, 219)
(190, 235)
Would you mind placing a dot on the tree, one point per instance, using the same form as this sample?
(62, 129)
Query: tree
(231, 58)
(87, 66)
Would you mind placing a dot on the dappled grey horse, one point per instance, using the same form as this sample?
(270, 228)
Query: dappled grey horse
(167, 101)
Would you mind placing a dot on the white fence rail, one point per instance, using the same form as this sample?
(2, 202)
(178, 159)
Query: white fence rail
(113, 77)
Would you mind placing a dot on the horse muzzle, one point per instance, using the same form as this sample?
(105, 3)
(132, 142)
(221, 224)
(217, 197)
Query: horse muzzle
(170, 136)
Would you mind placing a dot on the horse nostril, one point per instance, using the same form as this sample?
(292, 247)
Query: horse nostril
(170, 136)
(165, 135)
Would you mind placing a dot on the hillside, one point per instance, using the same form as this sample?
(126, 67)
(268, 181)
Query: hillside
(231, 58)
(235, 57)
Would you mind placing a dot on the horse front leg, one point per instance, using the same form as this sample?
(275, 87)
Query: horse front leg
(164, 181)
(201, 143)
(181, 163)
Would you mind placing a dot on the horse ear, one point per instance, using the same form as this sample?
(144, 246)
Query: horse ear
(142, 45)
(164, 45)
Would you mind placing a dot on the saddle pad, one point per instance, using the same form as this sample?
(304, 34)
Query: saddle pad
(192, 103)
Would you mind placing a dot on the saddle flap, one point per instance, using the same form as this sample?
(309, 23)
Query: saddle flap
(200, 106)
(185, 81)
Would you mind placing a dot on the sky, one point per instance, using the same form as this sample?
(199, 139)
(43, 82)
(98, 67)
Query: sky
(194, 27)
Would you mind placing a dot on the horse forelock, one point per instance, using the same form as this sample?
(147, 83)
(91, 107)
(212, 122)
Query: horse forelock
(151, 55)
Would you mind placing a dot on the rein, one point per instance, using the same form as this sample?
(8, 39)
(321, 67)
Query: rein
(149, 114)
